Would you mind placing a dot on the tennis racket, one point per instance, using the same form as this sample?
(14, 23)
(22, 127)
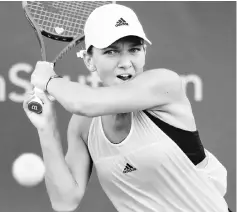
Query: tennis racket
(58, 20)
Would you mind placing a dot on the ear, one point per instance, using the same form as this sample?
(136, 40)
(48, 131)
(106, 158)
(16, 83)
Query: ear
(88, 60)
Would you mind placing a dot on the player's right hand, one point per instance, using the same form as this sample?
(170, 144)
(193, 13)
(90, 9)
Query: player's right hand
(46, 120)
(41, 74)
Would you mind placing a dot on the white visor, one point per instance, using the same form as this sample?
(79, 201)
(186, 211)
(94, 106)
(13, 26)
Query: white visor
(108, 23)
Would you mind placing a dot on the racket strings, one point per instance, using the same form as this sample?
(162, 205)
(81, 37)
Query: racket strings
(64, 18)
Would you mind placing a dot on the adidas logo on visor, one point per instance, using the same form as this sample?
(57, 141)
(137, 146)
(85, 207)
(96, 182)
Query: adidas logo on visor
(129, 168)
(121, 22)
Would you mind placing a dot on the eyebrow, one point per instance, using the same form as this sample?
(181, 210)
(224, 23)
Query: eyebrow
(114, 46)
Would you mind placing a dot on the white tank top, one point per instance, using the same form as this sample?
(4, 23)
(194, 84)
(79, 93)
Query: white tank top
(148, 172)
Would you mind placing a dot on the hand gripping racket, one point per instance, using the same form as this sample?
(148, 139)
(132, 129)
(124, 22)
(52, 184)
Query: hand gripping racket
(58, 20)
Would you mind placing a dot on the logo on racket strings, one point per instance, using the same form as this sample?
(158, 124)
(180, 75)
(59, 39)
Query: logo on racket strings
(59, 30)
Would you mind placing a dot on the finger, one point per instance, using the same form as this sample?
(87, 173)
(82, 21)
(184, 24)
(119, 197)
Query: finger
(43, 97)
(52, 65)
(37, 90)
(28, 96)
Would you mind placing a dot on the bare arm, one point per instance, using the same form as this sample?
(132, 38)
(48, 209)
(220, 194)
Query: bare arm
(66, 177)
(150, 89)
(78, 157)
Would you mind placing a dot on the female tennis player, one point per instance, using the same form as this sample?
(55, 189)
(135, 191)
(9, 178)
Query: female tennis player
(137, 129)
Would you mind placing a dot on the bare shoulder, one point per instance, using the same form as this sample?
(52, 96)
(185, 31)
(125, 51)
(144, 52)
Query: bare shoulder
(178, 112)
(80, 126)
(162, 74)
(165, 81)
(167, 85)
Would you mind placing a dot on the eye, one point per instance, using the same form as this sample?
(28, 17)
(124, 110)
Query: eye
(135, 50)
(111, 52)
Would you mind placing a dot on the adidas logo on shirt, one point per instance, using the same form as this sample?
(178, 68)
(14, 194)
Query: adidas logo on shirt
(121, 22)
(129, 168)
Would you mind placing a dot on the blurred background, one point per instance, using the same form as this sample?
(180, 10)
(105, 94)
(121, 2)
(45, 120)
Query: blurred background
(195, 39)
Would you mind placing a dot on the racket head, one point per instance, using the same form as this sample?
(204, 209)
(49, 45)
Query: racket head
(60, 20)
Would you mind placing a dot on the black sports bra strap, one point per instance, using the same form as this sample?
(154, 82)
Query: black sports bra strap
(188, 141)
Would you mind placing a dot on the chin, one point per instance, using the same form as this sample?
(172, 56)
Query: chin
(119, 81)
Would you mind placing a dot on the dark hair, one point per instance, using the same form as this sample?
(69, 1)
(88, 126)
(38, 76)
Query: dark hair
(132, 38)
(90, 50)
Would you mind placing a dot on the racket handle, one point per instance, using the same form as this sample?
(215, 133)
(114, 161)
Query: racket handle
(36, 105)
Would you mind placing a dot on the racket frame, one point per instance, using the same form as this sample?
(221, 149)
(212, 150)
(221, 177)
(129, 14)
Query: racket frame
(40, 32)
(37, 30)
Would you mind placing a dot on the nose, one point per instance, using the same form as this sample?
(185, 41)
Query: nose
(124, 62)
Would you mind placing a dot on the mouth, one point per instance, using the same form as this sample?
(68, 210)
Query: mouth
(124, 77)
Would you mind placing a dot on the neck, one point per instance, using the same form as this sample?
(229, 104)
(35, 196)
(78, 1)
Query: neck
(119, 116)
(116, 118)
(117, 121)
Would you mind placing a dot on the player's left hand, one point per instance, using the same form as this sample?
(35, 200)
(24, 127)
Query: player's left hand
(45, 121)
(40, 76)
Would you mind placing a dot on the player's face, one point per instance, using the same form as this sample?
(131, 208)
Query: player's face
(121, 61)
